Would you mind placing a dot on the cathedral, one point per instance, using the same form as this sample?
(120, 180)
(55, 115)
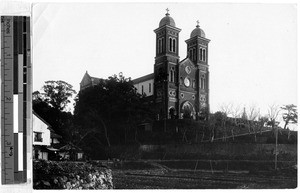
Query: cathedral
(178, 89)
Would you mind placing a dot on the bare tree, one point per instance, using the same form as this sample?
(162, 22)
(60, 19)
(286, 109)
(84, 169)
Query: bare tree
(236, 114)
(226, 109)
(273, 112)
(252, 114)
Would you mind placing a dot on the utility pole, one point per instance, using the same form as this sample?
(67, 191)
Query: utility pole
(276, 142)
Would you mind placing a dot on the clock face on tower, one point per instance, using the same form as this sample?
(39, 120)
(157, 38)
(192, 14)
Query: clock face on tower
(187, 82)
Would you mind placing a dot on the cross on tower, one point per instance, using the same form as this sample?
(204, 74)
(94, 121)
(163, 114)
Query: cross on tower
(197, 23)
(167, 10)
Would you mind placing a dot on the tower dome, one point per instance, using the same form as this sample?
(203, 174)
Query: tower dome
(198, 31)
(167, 20)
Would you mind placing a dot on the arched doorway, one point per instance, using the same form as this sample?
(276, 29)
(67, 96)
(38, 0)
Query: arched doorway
(172, 112)
(188, 111)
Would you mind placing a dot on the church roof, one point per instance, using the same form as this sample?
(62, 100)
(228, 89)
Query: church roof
(95, 80)
(198, 31)
(88, 81)
(186, 60)
(167, 20)
(143, 78)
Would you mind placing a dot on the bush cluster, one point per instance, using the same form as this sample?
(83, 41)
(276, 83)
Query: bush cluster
(70, 175)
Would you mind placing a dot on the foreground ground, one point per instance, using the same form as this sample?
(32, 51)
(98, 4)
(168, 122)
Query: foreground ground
(153, 175)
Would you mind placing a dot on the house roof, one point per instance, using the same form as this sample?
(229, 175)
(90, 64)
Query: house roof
(52, 132)
(33, 112)
(143, 78)
(54, 135)
(69, 147)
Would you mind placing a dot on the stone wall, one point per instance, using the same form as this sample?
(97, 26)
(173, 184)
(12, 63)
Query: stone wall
(71, 175)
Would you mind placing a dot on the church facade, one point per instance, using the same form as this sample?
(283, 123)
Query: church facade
(179, 89)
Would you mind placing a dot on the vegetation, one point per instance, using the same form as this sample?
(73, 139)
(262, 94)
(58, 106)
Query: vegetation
(290, 115)
(70, 175)
(50, 104)
(109, 113)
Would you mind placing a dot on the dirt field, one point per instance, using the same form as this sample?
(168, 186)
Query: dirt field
(152, 175)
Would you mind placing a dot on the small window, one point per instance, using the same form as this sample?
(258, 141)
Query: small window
(162, 44)
(158, 46)
(149, 87)
(194, 54)
(174, 45)
(194, 83)
(172, 75)
(142, 89)
(202, 82)
(201, 54)
(38, 137)
(181, 81)
(191, 53)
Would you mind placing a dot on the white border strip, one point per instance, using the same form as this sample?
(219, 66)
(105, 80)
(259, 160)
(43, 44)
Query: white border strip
(16, 113)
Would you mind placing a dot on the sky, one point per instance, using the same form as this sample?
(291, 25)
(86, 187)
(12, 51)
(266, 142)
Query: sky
(252, 54)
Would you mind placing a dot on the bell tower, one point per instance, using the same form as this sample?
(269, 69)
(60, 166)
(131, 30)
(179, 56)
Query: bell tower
(166, 67)
(197, 52)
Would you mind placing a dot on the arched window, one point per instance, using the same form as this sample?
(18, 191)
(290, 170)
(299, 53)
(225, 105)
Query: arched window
(202, 82)
(159, 46)
(170, 44)
(174, 45)
(162, 44)
(142, 89)
(191, 53)
(204, 55)
(172, 75)
(201, 54)
(194, 54)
